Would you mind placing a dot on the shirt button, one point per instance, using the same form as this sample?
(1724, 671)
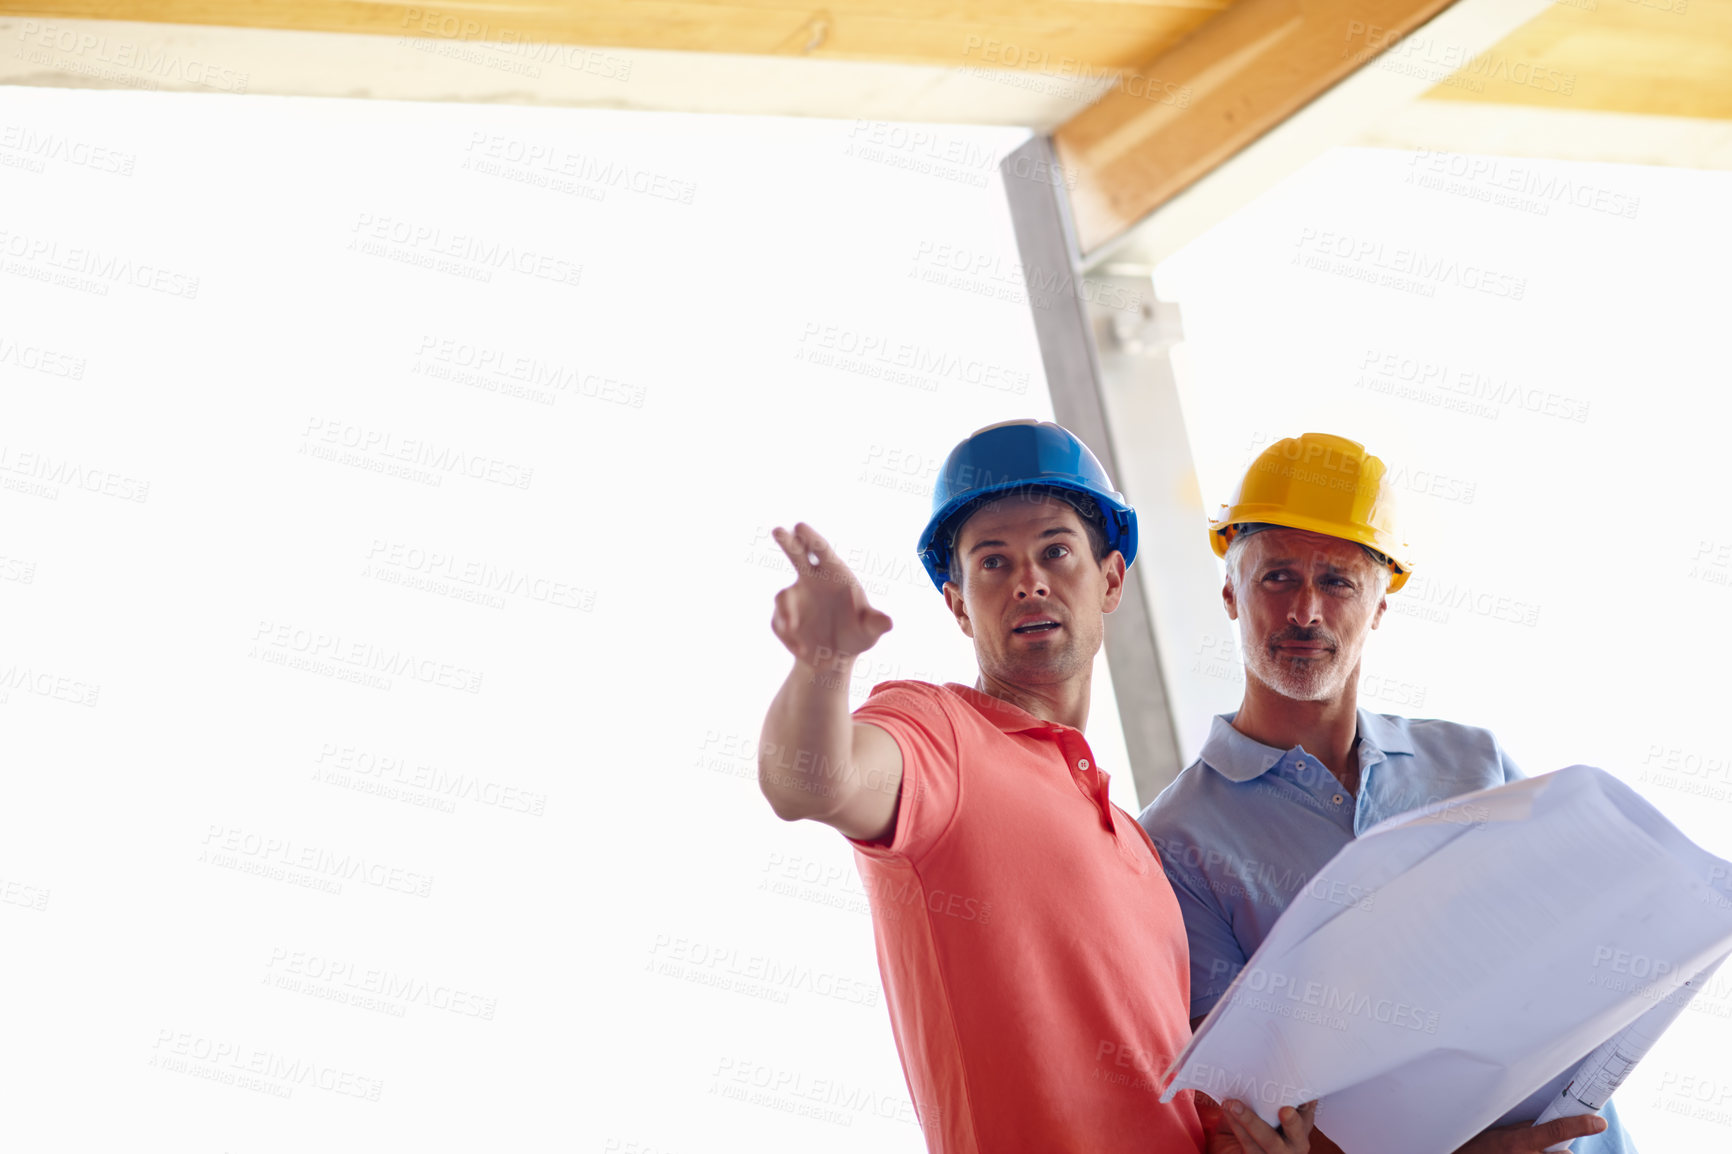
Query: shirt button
(1300, 764)
(1338, 799)
(1083, 763)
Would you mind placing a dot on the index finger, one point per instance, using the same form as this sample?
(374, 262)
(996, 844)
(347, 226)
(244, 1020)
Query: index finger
(819, 547)
(794, 548)
(1563, 1130)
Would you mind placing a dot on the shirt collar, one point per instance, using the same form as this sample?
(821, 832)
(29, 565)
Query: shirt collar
(1009, 718)
(1239, 759)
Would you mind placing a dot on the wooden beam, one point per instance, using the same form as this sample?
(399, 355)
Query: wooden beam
(1045, 37)
(1340, 116)
(1189, 109)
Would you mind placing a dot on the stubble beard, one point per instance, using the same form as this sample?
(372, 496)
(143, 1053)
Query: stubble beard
(1299, 678)
(1043, 666)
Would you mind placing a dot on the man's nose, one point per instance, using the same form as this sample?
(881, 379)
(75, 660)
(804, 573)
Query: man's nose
(1307, 605)
(1031, 582)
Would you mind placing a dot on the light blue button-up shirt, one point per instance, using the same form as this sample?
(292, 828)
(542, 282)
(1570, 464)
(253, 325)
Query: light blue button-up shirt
(1247, 825)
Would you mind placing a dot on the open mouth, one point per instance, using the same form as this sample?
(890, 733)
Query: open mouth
(1037, 627)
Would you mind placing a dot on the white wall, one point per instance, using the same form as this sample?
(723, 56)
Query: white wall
(578, 924)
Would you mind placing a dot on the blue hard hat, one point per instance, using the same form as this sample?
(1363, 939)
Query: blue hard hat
(1017, 455)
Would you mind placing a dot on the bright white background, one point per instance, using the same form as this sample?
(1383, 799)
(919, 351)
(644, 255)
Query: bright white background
(653, 940)
(620, 947)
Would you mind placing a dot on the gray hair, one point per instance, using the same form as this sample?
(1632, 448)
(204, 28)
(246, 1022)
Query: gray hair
(1243, 533)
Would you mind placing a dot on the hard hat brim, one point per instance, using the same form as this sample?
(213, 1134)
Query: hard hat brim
(1223, 529)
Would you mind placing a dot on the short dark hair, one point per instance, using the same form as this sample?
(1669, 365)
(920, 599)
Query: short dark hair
(1088, 511)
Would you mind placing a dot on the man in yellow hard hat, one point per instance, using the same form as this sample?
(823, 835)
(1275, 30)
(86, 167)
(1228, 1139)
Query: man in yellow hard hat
(1312, 549)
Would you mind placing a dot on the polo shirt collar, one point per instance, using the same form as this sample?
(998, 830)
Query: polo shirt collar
(1384, 733)
(1009, 718)
(1239, 759)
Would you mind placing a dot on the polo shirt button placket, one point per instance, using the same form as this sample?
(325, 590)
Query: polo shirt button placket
(1093, 785)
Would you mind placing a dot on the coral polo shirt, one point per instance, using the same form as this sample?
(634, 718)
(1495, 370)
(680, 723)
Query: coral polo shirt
(1032, 952)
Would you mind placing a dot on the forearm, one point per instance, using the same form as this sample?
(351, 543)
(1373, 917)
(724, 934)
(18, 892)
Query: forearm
(807, 741)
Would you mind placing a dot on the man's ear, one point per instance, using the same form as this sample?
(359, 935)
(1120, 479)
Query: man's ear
(1113, 569)
(1382, 604)
(953, 601)
(1230, 600)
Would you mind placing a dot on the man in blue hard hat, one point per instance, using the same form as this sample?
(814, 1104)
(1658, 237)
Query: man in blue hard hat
(1312, 549)
(1032, 952)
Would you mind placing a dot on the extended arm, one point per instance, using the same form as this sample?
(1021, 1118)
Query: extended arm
(813, 761)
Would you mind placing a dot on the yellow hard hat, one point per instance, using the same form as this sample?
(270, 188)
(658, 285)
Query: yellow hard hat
(1324, 484)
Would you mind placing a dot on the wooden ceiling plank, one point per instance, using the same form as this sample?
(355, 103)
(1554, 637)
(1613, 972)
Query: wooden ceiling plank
(1654, 58)
(1019, 35)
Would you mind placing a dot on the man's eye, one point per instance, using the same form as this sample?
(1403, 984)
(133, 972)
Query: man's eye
(1062, 550)
(988, 562)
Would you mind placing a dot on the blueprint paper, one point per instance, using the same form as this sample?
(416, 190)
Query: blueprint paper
(1603, 1071)
(1452, 967)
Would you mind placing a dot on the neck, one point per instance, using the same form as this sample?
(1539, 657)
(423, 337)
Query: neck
(1327, 729)
(1063, 703)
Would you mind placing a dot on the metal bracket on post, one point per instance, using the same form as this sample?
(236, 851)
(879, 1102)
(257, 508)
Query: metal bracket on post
(1060, 300)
